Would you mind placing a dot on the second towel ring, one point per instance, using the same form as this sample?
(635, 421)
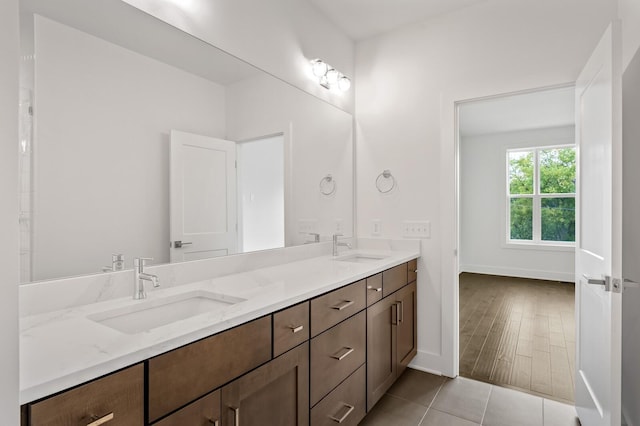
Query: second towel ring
(387, 177)
(327, 185)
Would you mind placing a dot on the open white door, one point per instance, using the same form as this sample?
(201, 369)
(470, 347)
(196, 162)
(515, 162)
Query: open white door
(599, 236)
(203, 197)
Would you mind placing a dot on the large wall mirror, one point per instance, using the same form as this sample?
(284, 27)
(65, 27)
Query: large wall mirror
(140, 140)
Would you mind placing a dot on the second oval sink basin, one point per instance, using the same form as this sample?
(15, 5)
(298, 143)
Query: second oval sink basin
(159, 312)
(360, 258)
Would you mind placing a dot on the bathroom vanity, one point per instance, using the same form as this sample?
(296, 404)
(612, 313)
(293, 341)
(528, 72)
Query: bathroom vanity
(322, 355)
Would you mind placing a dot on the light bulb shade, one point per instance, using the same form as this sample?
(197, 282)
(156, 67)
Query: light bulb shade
(319, 68)
(344, 83)
(332, 76)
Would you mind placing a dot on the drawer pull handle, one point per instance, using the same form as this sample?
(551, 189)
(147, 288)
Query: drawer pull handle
(400, 311)
(349, 408)
(295, 329)
(236, 416)
(97, 421)
(344, 352)
(378, 289)
(214, 422)
(345, 304)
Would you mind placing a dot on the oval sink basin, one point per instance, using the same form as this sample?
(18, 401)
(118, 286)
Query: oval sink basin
(155, 313)
(360, 258)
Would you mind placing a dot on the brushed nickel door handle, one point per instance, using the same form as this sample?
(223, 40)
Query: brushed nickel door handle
(214, 422)
(236, 416)
(295, 329)
(377, 289)
(341, 419)
(97, 420)
(342, 353)
(343, 305)
(400, 311)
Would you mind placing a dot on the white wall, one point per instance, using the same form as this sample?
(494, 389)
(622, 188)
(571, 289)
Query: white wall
(629, 13)
(631, 242)
(408, 82)
(261, 193)
(278, 36)
(103, 118)
(318, 139)
(9, 263)
(483, 207)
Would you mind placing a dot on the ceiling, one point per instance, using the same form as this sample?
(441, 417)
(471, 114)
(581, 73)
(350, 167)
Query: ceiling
(361, 19)
(535, 110)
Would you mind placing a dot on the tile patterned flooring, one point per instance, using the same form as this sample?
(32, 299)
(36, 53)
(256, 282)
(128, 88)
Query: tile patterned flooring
(423, 399)
(518, 333)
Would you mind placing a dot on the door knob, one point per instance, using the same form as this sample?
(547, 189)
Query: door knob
(179, 244)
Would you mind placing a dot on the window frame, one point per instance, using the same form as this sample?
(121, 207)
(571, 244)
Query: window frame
(536, 242)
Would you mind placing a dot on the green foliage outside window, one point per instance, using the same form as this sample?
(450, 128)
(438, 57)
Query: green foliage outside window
(557, 171)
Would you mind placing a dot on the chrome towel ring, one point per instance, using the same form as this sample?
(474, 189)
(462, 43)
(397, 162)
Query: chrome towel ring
(327, 185)
(385, 182)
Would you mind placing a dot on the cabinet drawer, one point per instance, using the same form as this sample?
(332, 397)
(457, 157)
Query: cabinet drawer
(203, 412)
(336, 354)
(118, 396)
(290, 328)
(393, 279)
(374, 289)
(330, 309)
(412, 270)
(345, 404)
(183, 375)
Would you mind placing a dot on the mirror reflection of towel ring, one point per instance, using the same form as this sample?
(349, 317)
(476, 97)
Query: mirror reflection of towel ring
(327, 185)
(385, 182)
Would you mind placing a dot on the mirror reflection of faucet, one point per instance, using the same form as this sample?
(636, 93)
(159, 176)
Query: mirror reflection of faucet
(117, 263)
(139, 277)
(316, 238)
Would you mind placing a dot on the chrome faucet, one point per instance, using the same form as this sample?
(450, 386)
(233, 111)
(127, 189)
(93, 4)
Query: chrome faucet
(337, 244)
(140, 277)
(316, 237)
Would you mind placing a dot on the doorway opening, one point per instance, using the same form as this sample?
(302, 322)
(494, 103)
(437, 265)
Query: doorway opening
(517, 165)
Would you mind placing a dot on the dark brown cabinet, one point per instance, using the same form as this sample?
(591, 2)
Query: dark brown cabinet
(203, 412)
(391, 340)
(276, 394)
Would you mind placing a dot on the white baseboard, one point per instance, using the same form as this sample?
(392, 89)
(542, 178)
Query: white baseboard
(520, 273)
(431, 363)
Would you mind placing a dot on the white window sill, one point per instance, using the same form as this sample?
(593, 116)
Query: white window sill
(539, 246)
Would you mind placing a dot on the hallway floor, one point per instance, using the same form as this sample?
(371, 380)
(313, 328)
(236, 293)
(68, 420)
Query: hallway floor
(419, 398)
(518, 333)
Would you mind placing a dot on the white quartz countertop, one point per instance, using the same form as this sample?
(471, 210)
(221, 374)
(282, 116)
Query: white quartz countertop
(62, 349)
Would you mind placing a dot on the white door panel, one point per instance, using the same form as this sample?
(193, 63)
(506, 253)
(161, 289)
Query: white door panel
(203, 197)
(598, 242)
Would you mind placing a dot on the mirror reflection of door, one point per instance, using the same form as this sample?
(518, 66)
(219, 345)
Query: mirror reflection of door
(261, 194)
(203, 197)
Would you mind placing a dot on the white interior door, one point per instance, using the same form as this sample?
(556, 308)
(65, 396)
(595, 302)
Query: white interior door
(599, 236)
(203, 197)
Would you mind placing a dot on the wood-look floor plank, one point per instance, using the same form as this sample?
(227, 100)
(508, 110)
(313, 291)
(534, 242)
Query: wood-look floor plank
(541, 372)
(521, 374)
(560, 376)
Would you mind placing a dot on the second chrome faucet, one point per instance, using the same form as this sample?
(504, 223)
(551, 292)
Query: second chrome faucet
(140, 277)
(337, 244)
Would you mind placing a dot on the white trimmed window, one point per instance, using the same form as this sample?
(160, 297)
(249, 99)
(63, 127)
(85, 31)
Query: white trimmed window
(541, 195)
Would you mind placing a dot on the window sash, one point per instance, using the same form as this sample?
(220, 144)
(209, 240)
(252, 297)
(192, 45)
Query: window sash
(536, 197)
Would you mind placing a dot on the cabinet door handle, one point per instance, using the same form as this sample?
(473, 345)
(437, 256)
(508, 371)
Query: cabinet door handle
(236, 416)
(394, 314)
(214, 422)
(349, 408)
(378, 289)
(400, 311)
(343, 305)
(97, 421)
(295, 329)
(342, 353)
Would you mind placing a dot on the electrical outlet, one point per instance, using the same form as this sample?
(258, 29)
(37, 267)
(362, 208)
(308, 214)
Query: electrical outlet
(306, 226)
(416, 229)
(376, 227)
(339, 226)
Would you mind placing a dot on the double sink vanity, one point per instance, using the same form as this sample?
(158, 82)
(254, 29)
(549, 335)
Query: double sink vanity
(316, 341)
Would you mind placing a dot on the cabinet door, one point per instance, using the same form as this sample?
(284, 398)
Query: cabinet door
(381, 349)
(407, 321)
(203, 412)
(276, 394)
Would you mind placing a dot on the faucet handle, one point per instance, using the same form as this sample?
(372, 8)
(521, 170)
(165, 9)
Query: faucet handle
(141, 261)
(117, 257)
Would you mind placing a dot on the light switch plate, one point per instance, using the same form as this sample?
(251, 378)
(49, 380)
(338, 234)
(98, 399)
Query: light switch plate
(376, 227)
(416, 229)
(306, 226)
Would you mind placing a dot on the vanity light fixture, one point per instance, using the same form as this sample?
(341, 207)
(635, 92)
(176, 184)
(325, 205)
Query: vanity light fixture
(329, 77)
